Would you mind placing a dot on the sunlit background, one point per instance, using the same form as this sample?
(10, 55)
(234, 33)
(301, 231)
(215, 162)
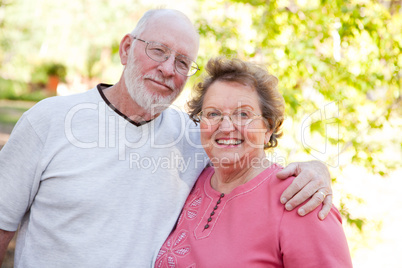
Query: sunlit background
(339, 64)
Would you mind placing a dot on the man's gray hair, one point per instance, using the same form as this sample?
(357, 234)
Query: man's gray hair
(142, 23)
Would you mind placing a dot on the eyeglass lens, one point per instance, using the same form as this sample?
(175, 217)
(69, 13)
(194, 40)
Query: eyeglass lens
(159, 52)
(239, 117)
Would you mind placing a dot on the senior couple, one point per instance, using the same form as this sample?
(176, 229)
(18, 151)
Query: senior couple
(85, 206)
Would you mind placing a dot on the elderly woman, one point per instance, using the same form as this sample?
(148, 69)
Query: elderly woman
(233, 217)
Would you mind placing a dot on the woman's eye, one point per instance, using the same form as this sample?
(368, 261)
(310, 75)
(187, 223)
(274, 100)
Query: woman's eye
(242, 114)
(213, 114)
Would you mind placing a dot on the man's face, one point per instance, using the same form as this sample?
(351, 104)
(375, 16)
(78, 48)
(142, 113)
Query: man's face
(151, 83)
(145, 95)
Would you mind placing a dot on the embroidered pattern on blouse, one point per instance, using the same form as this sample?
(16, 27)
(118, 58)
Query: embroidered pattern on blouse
(171, 249)
(190, 209)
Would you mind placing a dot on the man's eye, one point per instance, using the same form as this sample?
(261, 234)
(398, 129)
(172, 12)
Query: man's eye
(182, 64)
(158, 50)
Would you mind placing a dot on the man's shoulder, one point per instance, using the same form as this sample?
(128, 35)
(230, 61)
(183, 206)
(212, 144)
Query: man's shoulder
(177, 124)
(177, 119)
(175, 113)
(54, 105)
(89, 95)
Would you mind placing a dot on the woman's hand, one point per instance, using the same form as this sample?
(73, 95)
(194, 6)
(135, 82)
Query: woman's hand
(312, 180)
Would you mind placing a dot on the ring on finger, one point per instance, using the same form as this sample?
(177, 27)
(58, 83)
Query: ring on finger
(320, 192)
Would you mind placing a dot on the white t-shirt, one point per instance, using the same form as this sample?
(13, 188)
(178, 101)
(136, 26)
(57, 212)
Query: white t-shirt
(90, 188)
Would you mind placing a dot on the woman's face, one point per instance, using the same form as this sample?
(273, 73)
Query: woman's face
(227, 143)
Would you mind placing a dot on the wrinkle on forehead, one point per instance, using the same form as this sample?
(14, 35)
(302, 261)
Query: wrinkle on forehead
(173, 29)
(171, 14)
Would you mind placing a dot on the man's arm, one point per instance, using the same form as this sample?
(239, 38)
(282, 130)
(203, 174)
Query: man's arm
(312, 180)
(5, 238)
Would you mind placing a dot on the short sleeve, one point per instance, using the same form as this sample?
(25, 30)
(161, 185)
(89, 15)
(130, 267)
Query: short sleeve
(309, 242)
(19, 177)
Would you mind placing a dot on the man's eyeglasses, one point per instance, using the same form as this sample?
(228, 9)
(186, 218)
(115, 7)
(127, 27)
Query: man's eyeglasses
(160, 53)
(239, 117)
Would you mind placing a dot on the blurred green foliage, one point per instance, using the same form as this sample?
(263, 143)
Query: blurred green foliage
(56, 69)
(339, 64)
(40, 73)
(348, 52)
(18, 90)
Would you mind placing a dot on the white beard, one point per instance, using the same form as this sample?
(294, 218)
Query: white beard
(153, 104)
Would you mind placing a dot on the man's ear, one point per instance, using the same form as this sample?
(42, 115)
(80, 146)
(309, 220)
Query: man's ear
(124, 48)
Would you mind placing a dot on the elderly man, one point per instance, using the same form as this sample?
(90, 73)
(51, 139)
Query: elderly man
(98, 179)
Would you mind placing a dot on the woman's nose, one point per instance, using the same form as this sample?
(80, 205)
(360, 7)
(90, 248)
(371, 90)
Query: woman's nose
(226, 124)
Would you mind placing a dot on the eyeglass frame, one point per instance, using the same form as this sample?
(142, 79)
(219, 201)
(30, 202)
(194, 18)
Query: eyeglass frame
(199, 117)
(168, 56)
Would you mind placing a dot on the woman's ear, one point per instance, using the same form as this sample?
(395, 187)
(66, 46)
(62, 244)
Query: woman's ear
(268, 135)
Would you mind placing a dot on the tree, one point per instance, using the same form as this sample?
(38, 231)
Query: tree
(339, 66)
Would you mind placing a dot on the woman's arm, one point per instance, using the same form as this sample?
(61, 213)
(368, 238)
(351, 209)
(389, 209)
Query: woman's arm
(307, 242)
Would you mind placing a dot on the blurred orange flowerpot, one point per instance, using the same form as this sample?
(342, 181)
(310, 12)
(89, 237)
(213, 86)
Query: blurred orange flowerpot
(52, 83)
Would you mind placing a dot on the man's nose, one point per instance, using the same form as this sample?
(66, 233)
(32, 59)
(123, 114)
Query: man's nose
(168, 67)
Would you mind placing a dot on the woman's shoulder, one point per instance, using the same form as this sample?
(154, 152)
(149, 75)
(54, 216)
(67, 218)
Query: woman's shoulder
(278, 184)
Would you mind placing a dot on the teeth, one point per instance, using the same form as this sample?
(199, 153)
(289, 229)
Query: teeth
(229, 142)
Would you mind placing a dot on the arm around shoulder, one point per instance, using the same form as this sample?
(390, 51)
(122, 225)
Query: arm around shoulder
(5, 238)
(312, 180)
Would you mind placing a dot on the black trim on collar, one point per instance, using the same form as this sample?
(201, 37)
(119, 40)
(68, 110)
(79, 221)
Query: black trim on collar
(103, 86)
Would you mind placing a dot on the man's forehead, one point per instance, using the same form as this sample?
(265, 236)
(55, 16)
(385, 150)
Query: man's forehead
(180, 40)
(172, 29)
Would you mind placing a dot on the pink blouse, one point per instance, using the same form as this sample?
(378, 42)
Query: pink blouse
(251, 228)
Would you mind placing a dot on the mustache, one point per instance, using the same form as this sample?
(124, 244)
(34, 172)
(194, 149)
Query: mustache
(168, 82)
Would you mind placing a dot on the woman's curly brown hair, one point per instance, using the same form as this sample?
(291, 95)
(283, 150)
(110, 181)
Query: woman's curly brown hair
(246, 73)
